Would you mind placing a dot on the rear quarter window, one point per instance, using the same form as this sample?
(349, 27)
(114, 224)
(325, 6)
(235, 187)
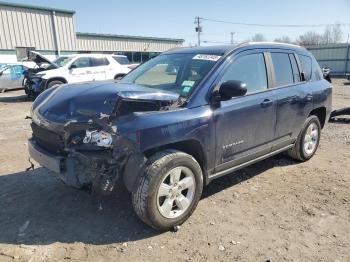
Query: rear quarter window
(306, 64)
(316, 70)
(122, 60)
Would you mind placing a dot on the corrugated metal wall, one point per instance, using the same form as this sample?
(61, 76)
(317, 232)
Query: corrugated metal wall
(336, 57)
(52, 30)
(99, 44)
(22, 27)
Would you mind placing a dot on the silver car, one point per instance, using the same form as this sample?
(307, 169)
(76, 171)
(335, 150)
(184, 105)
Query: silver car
(11, 76)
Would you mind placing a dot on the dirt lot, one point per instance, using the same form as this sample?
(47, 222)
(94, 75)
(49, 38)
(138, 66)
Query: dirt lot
(276, 210)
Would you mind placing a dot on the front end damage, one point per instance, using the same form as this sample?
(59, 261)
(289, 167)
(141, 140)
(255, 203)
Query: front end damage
(93, 151)
(98, 158)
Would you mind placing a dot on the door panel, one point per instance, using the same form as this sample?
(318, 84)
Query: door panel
(99, 68)
(294, 99)
(244, 128)
(245, 125)
(294, 104)
(82, 72)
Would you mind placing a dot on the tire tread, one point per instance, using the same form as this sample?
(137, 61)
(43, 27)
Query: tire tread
(153, 168)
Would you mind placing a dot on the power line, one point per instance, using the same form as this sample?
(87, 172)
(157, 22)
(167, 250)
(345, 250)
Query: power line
(270, 25)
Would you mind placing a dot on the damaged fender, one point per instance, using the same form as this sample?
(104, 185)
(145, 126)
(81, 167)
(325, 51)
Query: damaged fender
(122, 157)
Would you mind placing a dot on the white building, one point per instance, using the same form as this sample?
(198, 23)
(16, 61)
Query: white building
(51, 32)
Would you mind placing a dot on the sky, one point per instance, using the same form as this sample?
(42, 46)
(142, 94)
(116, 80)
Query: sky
(175, 18)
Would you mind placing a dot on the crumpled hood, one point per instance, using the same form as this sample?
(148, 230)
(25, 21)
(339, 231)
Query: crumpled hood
(83, 102)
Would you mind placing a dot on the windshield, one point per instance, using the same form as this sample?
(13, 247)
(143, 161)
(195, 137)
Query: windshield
(62, 60)
(178, 73)
(123, 60)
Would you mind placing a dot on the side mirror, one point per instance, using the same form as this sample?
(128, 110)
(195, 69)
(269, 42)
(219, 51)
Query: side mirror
(232, 88)
(72, 66)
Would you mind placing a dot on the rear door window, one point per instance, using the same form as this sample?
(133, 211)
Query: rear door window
(283, 69)
(306, 64)
(99, 61)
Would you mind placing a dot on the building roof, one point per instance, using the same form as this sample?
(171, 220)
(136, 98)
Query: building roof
(34, 7)
(129, 37)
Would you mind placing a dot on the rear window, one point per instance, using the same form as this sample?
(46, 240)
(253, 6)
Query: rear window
(306, 64)
(123, 60)
(283, 69)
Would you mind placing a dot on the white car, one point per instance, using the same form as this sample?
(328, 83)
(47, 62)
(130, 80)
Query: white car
(79, 68)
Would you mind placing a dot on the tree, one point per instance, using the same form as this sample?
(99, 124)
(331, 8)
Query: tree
(283, 39)
(331, 35)
(258, 38)
(310, 38)
(337, 33)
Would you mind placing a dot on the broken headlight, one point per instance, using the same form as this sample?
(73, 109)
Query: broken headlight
(99, 138)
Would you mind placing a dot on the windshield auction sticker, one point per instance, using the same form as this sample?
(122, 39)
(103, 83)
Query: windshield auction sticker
(207, 57)
(189, 83)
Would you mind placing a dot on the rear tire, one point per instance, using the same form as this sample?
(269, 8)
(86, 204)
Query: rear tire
(169, 189)
(308, 140)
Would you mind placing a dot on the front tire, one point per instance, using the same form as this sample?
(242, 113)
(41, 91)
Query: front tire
(169, 189)
(53, 83)
(308, 140)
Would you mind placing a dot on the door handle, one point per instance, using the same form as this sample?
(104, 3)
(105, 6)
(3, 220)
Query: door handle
(309, 97)
(293, 99)
(266, 103)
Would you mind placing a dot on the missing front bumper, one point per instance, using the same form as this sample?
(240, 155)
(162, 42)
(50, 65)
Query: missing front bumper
(44, 158)
(67, 168)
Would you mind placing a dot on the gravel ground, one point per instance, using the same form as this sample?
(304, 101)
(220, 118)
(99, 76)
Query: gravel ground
(276, 210)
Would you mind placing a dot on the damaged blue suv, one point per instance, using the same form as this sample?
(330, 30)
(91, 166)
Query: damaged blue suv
(179, 121)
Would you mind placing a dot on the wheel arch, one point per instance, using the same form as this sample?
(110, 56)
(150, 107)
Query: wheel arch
(57, 78)
(190, 146)
(119, 75)
(321, 113)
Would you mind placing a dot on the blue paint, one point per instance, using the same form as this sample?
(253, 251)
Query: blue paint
(16, 71)
(245, 122)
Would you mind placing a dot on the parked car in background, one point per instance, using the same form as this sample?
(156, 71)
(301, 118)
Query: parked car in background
(78, 68)
(11, 76)
(123, 60)
(327, 74)
(181, 120)
(348, 76)
(41, 64)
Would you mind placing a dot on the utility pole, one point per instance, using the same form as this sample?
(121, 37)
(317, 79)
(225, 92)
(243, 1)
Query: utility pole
(232, 33)
(198, 29)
